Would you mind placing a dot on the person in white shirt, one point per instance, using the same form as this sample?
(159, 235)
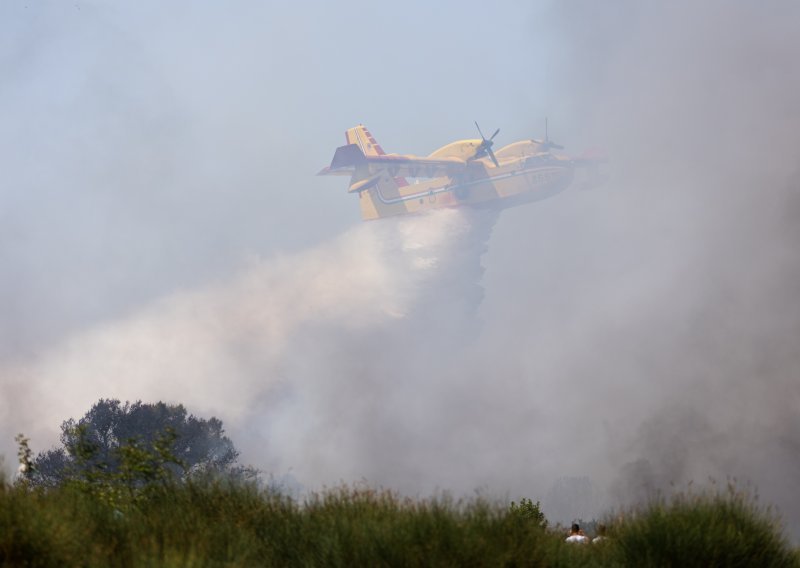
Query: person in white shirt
(601, 535)
(576, 535)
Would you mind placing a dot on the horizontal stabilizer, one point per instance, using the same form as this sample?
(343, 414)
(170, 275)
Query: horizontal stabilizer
(326, 171)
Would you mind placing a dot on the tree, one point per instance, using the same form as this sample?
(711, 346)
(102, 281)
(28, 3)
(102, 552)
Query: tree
(138, 442)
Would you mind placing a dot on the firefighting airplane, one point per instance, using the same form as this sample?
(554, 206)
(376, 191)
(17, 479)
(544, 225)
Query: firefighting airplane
(466, 172)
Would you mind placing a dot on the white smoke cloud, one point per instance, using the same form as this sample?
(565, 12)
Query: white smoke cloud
(307, 354)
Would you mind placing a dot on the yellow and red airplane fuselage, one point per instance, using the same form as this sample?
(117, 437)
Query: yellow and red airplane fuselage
(453, 176)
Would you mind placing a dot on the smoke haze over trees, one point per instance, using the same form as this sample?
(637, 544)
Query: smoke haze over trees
(95, 441)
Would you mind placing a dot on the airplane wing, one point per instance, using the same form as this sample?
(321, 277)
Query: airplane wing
(348, 158)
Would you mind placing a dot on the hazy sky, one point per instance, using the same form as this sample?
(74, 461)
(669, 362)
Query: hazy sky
(162, 235)
(149, 146)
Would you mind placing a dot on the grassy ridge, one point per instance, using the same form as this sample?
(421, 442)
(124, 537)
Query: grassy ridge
(218, 524)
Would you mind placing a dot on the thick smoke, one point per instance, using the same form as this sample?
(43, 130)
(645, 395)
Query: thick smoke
(322, 363)
(700, 111)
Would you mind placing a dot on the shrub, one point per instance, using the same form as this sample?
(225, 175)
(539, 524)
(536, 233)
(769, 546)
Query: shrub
(726, 528)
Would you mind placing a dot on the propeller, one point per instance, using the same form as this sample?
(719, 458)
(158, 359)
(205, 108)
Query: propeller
(485, 146)
(547, 144)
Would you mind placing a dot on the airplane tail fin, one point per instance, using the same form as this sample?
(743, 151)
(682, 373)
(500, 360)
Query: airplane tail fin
(378, 192)
(361, 136)
(366, 141)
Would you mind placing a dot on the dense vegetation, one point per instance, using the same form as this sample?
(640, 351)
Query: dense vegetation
(137, 503)
(214, 522)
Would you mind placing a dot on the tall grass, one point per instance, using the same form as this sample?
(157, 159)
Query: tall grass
(212, 523)
(709, 528)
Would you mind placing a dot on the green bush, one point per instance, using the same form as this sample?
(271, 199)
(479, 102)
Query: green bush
(726, 528)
